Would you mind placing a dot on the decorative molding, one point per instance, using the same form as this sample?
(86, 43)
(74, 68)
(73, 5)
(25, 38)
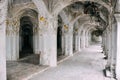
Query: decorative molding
(66, 27)
(43, 20)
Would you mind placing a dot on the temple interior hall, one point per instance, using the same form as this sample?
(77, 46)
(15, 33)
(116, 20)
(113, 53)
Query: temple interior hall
(59, 40)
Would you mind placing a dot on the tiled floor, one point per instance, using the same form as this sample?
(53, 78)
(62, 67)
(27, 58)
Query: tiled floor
(85, 65)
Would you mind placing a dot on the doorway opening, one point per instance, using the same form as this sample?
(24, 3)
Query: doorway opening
(59, 42)
(26, 37)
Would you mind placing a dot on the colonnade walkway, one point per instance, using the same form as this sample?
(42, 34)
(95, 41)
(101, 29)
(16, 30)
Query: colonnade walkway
(85, 65)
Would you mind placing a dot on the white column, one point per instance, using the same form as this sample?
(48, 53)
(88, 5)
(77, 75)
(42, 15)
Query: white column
(106, 54)
(35, 43)
(103, 42)
(39, 44)
(68, 44)
(8, 47)
(77, 43)
(108, 48)
(20, 43)
(63, 44)
(87, 39)
(49, 43)
(49, 52)
(34, 40)
(114, 50)
(17, 46)
(2, 52)
(83, 40)
(107, 43)
(3, 14)
(118, 47)
(14, 47)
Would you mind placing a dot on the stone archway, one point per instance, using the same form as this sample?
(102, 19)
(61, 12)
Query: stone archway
(26, 36)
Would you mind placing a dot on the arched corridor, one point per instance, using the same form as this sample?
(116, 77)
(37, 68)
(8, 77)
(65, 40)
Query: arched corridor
(77, 39)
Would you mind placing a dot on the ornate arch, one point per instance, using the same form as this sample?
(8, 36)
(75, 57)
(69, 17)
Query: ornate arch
(61, 7)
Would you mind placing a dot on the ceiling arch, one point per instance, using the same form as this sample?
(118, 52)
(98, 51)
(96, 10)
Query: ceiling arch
(69, 2)
(41, 8)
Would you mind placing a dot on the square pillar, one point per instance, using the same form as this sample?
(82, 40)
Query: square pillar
(118, 47)
(83, 40)
(2, 52)
(69, 44)
(77, 43)
(63, 44)
(113, 50)
(3, 13)
(14, 55)
(48, 36)
(49, 50)
(109, 52)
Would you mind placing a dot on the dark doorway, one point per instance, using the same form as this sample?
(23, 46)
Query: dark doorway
(74, 42)
(26, 35)
(59, 41)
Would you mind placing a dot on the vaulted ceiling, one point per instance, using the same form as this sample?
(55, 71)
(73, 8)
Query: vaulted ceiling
(92, 8)
(95, 11)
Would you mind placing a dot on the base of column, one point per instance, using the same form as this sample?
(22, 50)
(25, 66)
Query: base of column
(107, 72)
(110, 74)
